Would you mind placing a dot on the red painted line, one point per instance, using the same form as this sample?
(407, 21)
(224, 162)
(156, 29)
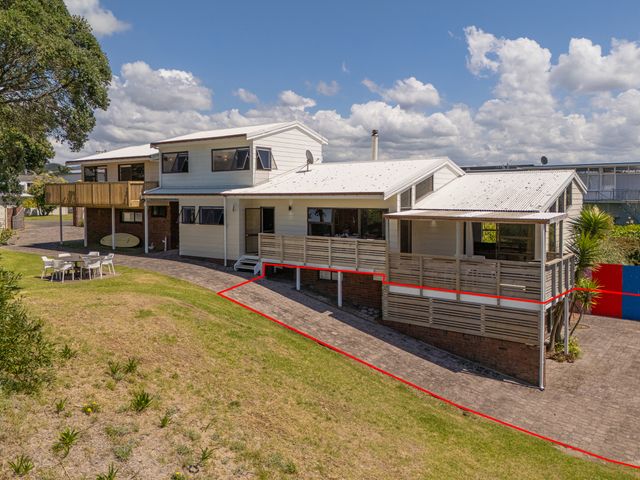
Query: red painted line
(222, 293)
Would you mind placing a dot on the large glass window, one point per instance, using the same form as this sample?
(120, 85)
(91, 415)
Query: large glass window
(211, 216)
(95, 174)
(130, 216)
(263, 158)
(188, 215)
(405, 200)
(134, 172)
(346, 222)
(504, 241)
(424, 188)
(177, 162)
(226, 159)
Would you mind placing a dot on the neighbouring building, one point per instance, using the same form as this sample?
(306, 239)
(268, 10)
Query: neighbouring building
(469, 262)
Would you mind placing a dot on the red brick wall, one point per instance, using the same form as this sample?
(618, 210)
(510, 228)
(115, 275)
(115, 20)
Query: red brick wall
(99, 225)
(515, 359)
(359, 290)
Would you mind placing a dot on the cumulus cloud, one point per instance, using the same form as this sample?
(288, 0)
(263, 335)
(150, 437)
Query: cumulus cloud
(103, 21)
(527, 116)
(409, 92)
(585, 69)
(328, 89)
(291, 99)
(246, 96)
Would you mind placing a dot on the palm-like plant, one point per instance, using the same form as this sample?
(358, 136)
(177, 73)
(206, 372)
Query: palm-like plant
(586, 296)
(592, 222)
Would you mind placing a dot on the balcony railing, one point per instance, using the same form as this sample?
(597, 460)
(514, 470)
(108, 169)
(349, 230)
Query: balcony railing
(617, 195)
(327, 252)
(97, 194)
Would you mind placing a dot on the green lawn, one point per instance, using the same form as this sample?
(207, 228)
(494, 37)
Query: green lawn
(268, 403)
(48, 218)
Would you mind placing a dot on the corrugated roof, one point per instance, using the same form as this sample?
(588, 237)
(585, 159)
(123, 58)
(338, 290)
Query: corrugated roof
(136, 151)
(353, 178)
(169, 191)
(518, 191)
(478, 216)
(251, 131)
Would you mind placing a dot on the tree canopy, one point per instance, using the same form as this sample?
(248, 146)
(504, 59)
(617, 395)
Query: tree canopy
(53, 76)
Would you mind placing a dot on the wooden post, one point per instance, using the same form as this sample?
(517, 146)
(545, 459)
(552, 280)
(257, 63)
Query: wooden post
(340, 289)
(113, 227)
(224, 233)
(330, 244)
(60, 219)
(357, 260)
(566, 313)
(146, 227)
(498, 281)
(304, 249)
(281, 248)
(84, 225)
(543, 257)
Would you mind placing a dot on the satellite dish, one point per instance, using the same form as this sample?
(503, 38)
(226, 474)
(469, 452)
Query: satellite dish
(544, 160)
(309, 157)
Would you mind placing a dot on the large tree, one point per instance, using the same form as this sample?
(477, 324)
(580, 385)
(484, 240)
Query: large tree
(53, 76)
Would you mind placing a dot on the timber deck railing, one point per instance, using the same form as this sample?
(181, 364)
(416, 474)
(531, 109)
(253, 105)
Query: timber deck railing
(97, 194)
(334, 252)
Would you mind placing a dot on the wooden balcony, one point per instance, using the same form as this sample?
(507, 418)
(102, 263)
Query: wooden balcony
(97, 194)
(324, 252)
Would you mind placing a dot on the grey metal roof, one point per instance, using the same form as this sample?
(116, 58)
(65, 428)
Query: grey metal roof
(517, 191)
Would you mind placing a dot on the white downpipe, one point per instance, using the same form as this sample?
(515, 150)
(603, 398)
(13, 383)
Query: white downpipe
(543, 257)
(298, 279)
(567, 301)
(60, 220)
(226, 220)
(113, 228)
(146, 228)
(340, 289)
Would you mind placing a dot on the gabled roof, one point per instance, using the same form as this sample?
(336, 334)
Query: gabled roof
(137, 151)
(380, 177)
(514, 191)
(250, 131)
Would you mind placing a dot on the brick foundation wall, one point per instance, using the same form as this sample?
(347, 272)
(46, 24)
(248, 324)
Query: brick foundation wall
(358, 290)
(99, 225)
(515, 359)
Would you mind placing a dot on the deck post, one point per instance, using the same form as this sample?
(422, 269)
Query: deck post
(566, 313)
(340, 289)
(113, 228)
(146, 227)
(298, 279)
(543, 256)
(84, 225)
(225, 220)
(60, 221)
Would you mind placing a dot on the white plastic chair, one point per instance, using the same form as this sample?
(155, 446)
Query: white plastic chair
(61, 267)
(64, 255)
(108, 262)
(91, 264)
(47, 264)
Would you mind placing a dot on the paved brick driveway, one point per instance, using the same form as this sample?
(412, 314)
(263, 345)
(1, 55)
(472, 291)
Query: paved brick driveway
(593, 404)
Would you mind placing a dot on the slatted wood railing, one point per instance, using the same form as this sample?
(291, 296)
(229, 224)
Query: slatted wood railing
(97, 194)
(334, 252)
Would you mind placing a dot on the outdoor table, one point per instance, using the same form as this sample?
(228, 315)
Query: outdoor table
(77, 259)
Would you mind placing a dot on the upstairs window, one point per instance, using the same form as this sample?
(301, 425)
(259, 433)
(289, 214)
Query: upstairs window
(227, 159)
(569, 195)
(211, 216)
(177, 162)
(134, 172)
(424, 188)
(188, 215)
(95, 174)
(405, 200)
(263, 158)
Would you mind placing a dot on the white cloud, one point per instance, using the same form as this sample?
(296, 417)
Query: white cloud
(291, 99)
(409, 92)
(585, 69)
(344, 67)
(246, 96)
(103, 21)
(526, 117)
(328, 89)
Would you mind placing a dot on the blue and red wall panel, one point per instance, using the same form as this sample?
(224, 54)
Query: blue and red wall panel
(618, 278)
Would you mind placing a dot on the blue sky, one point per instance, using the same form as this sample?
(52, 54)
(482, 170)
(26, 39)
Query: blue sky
(268, 48)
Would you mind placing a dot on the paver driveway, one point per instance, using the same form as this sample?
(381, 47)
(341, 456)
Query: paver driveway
(593, 404)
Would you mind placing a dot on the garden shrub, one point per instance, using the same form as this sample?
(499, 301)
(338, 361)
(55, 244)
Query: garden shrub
(26, 355)
(5, 235)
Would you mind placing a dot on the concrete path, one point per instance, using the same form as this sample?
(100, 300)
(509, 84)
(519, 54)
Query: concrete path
(593, 404)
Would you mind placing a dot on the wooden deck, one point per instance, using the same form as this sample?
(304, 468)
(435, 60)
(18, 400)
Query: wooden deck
(97, 194)
(324, 252)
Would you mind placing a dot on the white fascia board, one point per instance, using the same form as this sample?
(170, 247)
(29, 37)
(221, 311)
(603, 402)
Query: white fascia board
(283, 128)
(306, 196)
(404, 185)
(565, 184)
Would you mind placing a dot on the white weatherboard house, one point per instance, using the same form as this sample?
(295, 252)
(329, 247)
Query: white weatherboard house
(469, 260)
